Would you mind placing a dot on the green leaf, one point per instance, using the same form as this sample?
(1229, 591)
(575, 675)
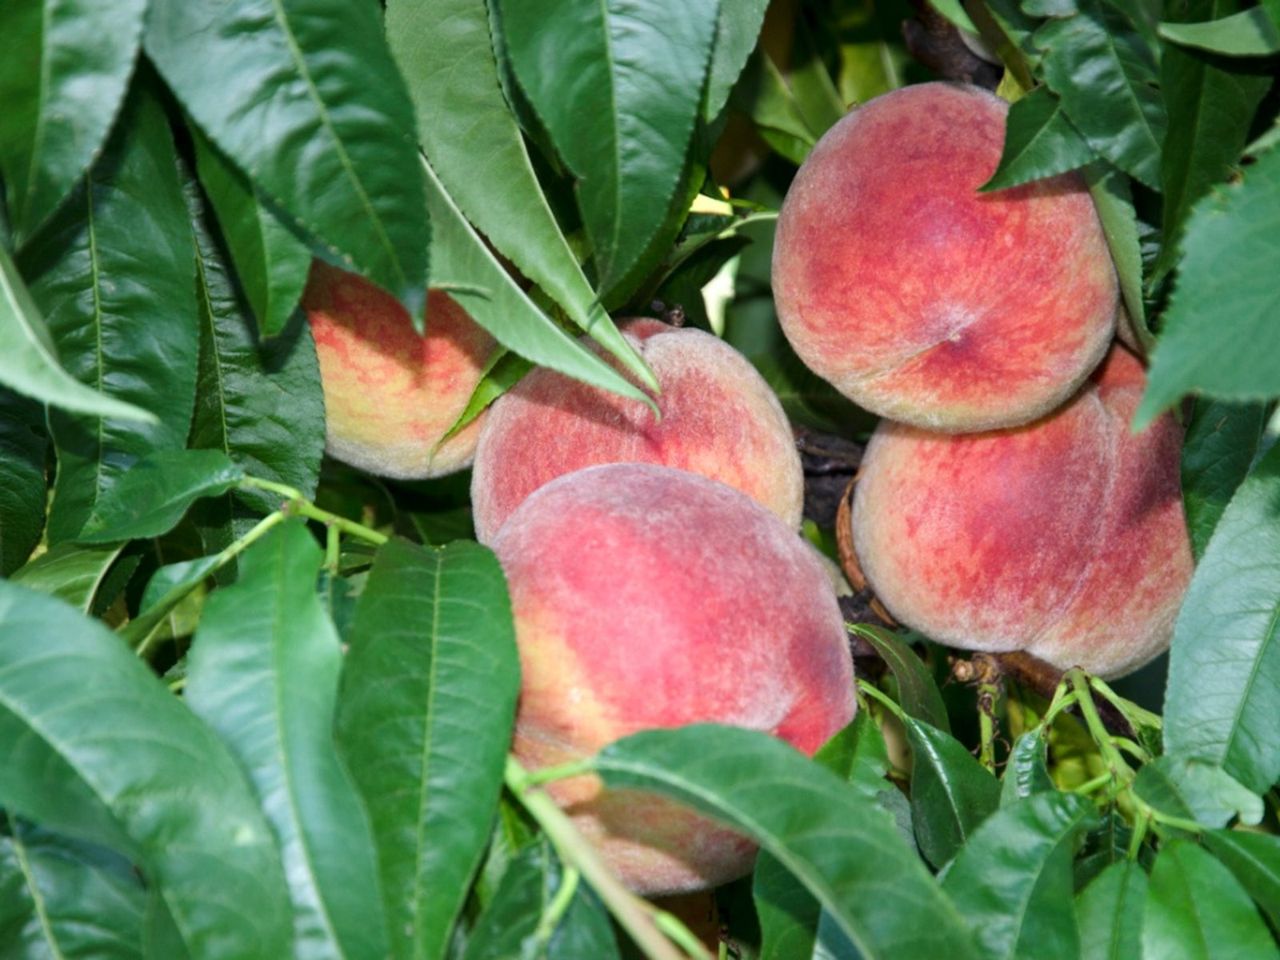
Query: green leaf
(1026, 772)
(1105, 75)
(861, 871)
(85, 901)
(475, 148)
(763, 95)
(1250, 33)
(121, 762)
(271, 261)
(464, 264)
(1113, 199)
(113, 274)
(1104, 845)
(1196, 910)
(22, 481)
(152, 497)
(427, 707)
(1218, 334)
(168, 587)
(29, 360)
(305, 98)
(1210, 111)
(1224, 666)
(620, 125)
(1254, 859)
(951, 793)
(737, 31)
(1197, 791)
(1039, 141)
(1222, 440)
(263, 673)
(62, 80)
(504, 372)
(917, 692)
(1109, 913)
(1012, 880)
(70, 572)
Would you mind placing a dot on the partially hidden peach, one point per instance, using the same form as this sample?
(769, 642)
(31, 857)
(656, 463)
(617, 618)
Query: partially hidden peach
(646, 597)
(923, 300)
(719, 419)
(390, 393)
(1065, 538)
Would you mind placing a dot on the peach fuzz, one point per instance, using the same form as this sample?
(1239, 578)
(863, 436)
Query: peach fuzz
(646, 597)
(1064, 538)
(391, 394)
(719, 419)
(923, 300)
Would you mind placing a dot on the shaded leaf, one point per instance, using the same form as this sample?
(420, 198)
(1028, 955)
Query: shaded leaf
(167, 588)
(1026, 772)
(1218, 334)
(263, 673)
(951, 793)
(62, 81)
(1196, 910)
(1222, 440)
(22, 480)
(1109, 912)
(1249, 33)
(427, 706)
(1113, 199)
(1198, 791)
(121, 762)
(112, 273)
(737, 30)
(305, 98)
(763, 95)
(1254, 859)
(70, 572)
(824, 833)
(1224, 666)
(1039, 141)
(1012, 880)
(917, 691)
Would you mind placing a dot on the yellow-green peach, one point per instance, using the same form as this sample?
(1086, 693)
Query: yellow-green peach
(390, 393)
(646, 597)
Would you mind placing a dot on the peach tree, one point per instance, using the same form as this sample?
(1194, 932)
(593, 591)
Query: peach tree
(256, 702)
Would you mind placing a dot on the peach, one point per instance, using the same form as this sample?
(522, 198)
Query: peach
(719, 418)
(647, 597)
(391, 394)
(1064, 538)
(923, 300)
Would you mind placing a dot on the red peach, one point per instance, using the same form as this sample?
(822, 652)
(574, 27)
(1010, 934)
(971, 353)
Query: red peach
(391, 394)
(719, 419)
(1064, 538)
(920, 298)
(646, 597)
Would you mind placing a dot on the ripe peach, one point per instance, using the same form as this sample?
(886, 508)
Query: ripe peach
(920, 298)
(391, 394)
(719, 419)
(648, 597)
(1064, 538)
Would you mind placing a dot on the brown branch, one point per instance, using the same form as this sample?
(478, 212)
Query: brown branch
(935, 41)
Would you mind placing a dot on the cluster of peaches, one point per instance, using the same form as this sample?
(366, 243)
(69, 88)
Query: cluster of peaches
(656, 574)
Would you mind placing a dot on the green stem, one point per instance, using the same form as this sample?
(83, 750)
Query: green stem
(875, 693)
(1133, 749)
(1091, 785)
(1097, 729)
(298, 505)
(1139, 834)
(1136, 715)
(561, 771)
(332, 549)
(988, 696)
(558, 906)
(633, 914)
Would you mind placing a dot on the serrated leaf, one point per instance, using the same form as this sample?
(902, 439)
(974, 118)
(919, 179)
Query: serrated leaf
(1218, 336)
(1224, 666)
(1105, 75)
(1109, 913)
(737, 30)
(917, 691)
(1012, 880)
(427, 706)
(951, 793)
(62, 81)
(620, 125)
(1196, 910)
(1113, 199)
(86, 901)
(1193, 790)
(70, 572)
(1039, 141)
(1249, 33)
(1210, 111)
(467, 267)
(263, 673)
(1222, 440)
(305, 98)
(1026, 772)
(504, 371)
(153, 495)
(22, 480)
(861, 871)
(121, 762)
(1254, 859)
(475, 148)
(271, 261)
(29, 359)
(113, 274)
